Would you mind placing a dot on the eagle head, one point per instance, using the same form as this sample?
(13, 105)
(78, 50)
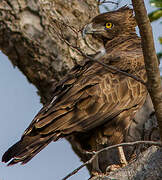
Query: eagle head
(109, 25)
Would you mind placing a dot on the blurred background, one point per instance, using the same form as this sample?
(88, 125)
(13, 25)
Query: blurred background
(19, 103)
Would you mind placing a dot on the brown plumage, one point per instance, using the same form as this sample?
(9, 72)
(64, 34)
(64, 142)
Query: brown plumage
(91, 98)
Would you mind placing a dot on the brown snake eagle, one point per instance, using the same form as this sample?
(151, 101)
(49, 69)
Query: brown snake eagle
(92, 98)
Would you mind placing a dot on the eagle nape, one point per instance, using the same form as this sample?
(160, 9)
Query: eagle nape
(91, 102)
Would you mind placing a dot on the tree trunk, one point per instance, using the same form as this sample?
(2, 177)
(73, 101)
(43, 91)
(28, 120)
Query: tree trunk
(26, 38)
(29, 37)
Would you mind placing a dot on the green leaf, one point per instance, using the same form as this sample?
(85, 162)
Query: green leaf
(160, 39)
(155, 15)
(159, 55)
(156, 3)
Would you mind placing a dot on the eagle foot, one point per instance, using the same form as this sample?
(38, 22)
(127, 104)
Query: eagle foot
(96, 173)
(112, 167)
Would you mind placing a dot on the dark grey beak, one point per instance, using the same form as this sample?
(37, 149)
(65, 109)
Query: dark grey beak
(88, 29)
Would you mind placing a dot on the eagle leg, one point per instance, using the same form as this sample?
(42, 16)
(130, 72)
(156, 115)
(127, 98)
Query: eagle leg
(122, 157)
(95, 167)
(95, 144)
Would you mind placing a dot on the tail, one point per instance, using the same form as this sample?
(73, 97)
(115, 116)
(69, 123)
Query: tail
(25, 149)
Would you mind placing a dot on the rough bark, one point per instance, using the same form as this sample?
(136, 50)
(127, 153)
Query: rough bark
(148, 166)
(28, 37)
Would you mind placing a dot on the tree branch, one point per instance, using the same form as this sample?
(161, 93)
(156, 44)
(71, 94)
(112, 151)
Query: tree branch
(26, 39)
(106, 66)
(151, 61)
(148, 166)
(95, 154)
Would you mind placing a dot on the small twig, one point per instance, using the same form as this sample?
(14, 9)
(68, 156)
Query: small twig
(98, 3)
(117, 70)
(61, 37)
(70, 27)
(104, 2)
(103, 64)
(109, 2)
(108, 148)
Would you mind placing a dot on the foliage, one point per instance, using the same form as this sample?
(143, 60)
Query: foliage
(156, 3)
(156, 15)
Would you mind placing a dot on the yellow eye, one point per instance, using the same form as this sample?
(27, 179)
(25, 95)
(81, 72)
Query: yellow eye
(108, 25)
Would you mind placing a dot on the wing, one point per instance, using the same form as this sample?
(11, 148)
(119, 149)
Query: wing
(88, 97)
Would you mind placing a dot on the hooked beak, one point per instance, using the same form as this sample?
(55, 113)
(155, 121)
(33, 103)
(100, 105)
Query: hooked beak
(88, 29)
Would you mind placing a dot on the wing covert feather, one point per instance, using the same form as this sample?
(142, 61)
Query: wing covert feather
(89, 102)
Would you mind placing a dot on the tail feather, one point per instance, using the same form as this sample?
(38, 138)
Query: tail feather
(13, 151)
(25, 149)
